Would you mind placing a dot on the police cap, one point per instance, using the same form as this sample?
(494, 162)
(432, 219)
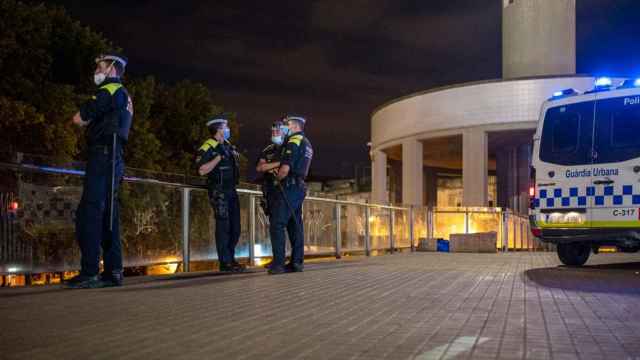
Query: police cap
(217, 122)
(112, 57)
(296, 118)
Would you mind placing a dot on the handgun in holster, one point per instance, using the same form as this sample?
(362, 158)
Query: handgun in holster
(219, 204)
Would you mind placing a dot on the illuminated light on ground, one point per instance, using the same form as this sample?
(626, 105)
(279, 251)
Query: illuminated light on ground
(261, 261)
(459, 346)
(164, 269)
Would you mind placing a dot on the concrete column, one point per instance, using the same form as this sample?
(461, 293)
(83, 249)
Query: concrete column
(474, 167)
(412, 173)
(431, 185)
(379, 178)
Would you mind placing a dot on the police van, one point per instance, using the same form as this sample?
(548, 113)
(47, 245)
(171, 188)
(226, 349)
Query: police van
(585, 191)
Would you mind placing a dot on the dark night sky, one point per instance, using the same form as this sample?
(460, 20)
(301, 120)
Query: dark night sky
(334, 61)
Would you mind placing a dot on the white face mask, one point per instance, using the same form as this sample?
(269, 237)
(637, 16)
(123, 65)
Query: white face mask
(99, 78)
(277, 140)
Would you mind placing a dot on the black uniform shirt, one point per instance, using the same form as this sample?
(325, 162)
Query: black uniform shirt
(297, 153)
(270, 154)
(109, 111)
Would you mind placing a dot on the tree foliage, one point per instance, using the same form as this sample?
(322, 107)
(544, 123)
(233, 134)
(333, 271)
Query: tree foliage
(46, 59)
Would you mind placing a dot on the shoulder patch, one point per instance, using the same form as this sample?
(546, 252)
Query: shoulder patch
(111, 88)
(296, 139)
(209, 144)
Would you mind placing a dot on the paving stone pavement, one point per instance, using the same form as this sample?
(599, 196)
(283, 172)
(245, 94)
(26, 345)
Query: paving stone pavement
(402, 306)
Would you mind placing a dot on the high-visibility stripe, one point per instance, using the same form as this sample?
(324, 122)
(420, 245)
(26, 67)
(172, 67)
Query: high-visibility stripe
(208, 145)
(592, 224)
(111, 88)
(296, 139)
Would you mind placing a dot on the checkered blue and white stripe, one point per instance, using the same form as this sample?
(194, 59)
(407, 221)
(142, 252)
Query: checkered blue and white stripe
(575, 197)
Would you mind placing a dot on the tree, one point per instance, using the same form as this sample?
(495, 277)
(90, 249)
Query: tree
(46, 59)
(179, 122)
(144, 150)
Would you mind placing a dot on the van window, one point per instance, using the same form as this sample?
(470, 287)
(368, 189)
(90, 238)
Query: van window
(567, 134)
(617, 131)
(625, 129)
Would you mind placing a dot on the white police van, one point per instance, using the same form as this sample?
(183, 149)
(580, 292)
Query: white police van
(586, 169)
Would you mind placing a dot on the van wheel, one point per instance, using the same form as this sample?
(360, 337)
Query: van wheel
(574, 254)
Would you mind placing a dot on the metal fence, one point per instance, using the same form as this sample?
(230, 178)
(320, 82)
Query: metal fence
(164, 222)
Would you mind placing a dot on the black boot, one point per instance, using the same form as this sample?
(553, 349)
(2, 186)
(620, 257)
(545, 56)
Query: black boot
(293, 267)
(237, 267)
(276, 270)
(226, 267)
(112, 279)
(83, 282)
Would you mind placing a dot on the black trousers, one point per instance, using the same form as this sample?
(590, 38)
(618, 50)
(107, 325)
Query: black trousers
(226, 208)
(93, 214)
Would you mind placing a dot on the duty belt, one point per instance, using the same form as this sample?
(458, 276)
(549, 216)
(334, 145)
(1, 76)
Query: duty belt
(103, 149)
(293, 180)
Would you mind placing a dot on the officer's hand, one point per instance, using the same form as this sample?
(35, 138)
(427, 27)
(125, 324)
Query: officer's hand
(77, 120)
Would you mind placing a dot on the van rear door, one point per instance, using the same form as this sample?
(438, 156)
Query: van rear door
(563, 177)
(616, 170)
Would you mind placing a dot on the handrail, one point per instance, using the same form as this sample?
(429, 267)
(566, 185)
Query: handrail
(139, 180)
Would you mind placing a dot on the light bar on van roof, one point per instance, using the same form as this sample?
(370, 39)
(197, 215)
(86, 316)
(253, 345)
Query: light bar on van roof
(603, 82)
(630, 83)
(563, 93)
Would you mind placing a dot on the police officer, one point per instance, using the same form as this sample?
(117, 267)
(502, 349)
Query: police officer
(286, 210)
(107, 119)
(269, 162)
(268, 165)
(219, 160)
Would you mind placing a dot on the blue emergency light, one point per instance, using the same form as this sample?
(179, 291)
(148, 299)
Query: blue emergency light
(563, 93)
(630, 83)
(603, 82)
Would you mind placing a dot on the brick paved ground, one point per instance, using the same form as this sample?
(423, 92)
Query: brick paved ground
(403, 306)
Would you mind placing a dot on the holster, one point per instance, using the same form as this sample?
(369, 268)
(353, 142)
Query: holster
(219, 204)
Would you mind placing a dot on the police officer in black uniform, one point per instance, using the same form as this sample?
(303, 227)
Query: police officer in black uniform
(268, 165)
(107, 118)
(219, 160)
(286, 210)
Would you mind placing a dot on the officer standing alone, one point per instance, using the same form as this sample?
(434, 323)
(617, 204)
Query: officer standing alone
(286, 210)
(218, 159)
(107, 118)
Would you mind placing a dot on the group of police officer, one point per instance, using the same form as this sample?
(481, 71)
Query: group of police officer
(107, 118)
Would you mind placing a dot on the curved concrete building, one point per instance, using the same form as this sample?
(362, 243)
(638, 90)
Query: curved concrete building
(470, 144)
(475, 132)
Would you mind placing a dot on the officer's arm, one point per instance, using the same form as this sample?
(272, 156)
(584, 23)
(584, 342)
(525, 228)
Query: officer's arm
(96, 107)
(264, 166)
(285, 162)
(208, 167)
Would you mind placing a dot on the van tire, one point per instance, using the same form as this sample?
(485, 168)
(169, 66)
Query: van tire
(574, 254)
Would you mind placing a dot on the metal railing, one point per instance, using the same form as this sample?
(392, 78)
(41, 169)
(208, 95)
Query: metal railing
(165, 222)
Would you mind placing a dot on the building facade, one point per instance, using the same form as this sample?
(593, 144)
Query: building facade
(470, 144)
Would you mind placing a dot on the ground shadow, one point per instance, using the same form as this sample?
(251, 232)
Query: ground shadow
(616, 278)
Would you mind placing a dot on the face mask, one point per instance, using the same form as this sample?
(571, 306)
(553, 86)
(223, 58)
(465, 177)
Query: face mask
(285, 130)
(226, 133)
(277, 140)
(99, 78)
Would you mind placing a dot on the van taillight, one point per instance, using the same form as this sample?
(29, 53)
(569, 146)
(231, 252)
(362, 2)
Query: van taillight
(536, 232)
(532, 188)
